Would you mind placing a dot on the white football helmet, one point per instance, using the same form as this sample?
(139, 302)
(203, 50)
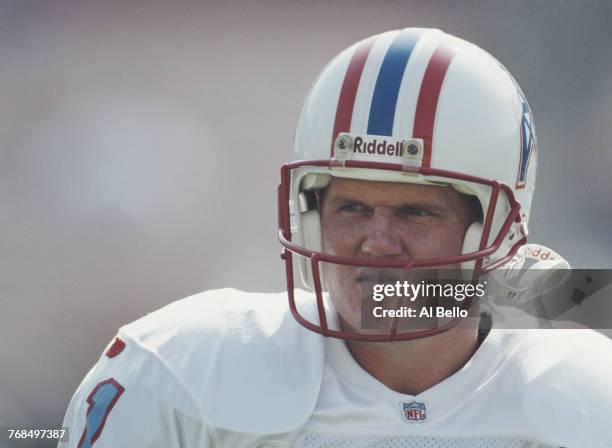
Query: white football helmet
(417, 106)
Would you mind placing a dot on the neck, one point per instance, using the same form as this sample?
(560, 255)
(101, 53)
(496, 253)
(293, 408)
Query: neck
(411, 367)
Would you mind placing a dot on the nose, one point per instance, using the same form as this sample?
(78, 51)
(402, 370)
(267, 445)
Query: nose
(381, 240)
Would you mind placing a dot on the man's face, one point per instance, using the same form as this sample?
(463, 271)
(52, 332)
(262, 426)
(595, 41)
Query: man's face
(385, 220)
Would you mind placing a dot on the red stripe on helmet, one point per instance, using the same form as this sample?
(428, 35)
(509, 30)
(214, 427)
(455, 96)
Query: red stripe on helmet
(348, 93)
(429, 94)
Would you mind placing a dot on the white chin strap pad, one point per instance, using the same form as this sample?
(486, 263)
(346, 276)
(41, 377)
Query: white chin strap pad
(471, 243)
(533, 271)
(311, 226)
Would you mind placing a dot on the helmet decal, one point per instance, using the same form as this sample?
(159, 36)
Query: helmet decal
(528, 140)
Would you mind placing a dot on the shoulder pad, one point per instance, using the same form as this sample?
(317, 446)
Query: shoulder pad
(244, 359)
(129, 399)
(567, 377)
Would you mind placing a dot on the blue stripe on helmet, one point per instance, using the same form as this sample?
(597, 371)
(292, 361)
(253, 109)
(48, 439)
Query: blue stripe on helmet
(386, 90)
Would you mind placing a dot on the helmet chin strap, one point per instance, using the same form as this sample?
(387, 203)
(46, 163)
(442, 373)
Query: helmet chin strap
(533, 271)
(471, 243)
(311, 223)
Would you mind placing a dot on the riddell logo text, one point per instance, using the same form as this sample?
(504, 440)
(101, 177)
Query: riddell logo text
(540, 254)
(382, 148)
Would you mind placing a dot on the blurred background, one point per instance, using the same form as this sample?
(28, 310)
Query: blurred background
(140, 143)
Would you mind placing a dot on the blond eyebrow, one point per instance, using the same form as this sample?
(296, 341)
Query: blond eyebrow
(335, 200)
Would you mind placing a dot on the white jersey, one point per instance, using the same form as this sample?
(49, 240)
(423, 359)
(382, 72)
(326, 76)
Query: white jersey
(229, 369)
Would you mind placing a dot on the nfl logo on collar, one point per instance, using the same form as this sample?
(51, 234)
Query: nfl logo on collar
(414, 411)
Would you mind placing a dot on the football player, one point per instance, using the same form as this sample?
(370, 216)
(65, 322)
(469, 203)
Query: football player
(415, 157)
